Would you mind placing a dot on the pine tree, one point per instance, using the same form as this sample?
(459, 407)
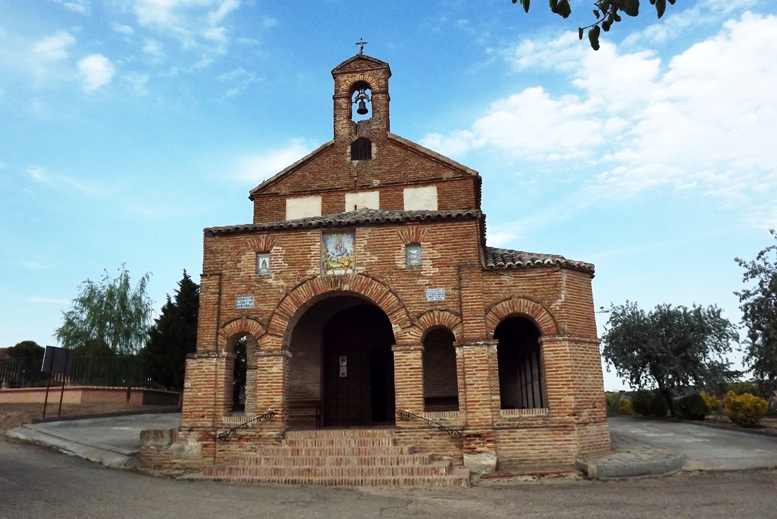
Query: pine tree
(173, 336)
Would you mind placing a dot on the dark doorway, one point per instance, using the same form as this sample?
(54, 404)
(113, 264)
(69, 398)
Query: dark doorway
(358, 368)
(520, 364)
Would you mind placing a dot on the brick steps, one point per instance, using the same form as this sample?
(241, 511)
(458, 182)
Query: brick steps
(350, 457)
(284, 460)
(420, 481)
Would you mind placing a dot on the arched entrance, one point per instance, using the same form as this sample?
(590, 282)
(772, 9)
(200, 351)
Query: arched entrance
(341, 362)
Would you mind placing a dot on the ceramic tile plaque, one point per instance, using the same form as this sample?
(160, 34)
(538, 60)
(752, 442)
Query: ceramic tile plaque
(244, 302)
(337, 253)
(435, 294)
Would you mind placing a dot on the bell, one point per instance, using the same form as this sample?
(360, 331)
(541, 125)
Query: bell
(362, 110)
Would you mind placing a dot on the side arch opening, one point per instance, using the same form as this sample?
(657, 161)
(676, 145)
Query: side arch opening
(441, 385)
(521, 374)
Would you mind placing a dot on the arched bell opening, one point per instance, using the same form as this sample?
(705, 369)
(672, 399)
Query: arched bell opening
(341, 369)
(519, 355)
(361, 101)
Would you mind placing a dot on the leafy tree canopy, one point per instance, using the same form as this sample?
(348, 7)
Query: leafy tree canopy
(671, 348)
(759, 309)
(173, 335)
(606, 13)
(108, 314)
(26, 350)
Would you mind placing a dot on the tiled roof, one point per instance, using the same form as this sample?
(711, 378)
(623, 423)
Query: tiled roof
(505, 259)
(362, 217)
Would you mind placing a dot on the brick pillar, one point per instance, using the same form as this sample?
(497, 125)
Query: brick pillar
(409, 378)
(205, 385)
(573, 378)
(250, 408)
(272, 386)
(559, 382)
(225, 379)
(481, 382)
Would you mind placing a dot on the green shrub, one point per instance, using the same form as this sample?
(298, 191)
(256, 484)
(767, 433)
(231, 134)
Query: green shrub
(745, 410)
(613, 401)
(657, 406)
(693, 407)
(640, 402)
(625, 407)
(748, 387)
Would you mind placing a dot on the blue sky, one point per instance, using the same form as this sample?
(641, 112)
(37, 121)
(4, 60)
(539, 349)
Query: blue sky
(130, 125)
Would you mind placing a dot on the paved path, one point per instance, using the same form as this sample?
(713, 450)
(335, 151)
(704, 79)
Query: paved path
(37, 483)
(111, 441)
(705, 447)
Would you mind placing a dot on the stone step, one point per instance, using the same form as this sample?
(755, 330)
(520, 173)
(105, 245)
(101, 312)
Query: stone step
(457, 480)
(322, 452)
(331, 461)
(260, 471)
(337, 442)
(339, 433)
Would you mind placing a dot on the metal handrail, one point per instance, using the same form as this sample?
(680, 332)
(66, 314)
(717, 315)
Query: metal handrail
(407, 415)
(224, 436)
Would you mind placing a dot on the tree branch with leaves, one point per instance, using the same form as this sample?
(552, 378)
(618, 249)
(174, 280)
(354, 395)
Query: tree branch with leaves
(672, 348)
(606, 12)
(108, 314)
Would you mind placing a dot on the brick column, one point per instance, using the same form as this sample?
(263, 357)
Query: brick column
(207, 382)
(409, 378)
(272, 385)
(250, 403)
(573, 378)
(480, 372)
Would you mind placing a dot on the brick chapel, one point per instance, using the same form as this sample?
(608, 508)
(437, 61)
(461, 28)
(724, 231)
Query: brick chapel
(374, 315)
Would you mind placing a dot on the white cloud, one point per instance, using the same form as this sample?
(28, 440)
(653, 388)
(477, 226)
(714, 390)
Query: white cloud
(54, 47)
(123, 29)
(154, 50)
(96, 71)
(64, 182)
(257, 168)
(77, 6)
(499, 239)
(33, 265)
(703, 121)
(193, 22)
(48, 300)
(137, 82)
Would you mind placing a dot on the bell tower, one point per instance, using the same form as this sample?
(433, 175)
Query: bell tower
(361, 99)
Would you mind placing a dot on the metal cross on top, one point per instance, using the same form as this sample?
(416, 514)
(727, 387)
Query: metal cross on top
(361, 43)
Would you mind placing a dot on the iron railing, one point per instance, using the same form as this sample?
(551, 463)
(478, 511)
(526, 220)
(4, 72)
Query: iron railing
(224, 436)
(407, 415)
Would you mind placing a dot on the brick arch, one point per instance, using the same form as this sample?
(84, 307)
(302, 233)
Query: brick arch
(434, 319)
(524, 307)
(241, 325)
(370, 288)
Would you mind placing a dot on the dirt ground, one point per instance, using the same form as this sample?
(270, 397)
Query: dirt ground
(14, 415)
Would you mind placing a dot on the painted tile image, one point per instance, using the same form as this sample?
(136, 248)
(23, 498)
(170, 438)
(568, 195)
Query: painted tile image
(337, 253)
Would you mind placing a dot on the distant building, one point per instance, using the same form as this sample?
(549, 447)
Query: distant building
(369, 301)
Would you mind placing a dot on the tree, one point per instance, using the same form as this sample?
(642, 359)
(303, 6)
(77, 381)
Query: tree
(173, 335)
(606, 12)
(759, 309)
(108, 314)
(26, 350)
(672, 348)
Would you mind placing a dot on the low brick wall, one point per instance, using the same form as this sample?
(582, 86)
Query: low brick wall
(89, 395)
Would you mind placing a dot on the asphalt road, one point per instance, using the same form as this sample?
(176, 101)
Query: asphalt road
(705, 447)
(39, 483)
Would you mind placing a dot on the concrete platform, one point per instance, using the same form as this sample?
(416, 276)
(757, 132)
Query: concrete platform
(112, 441)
